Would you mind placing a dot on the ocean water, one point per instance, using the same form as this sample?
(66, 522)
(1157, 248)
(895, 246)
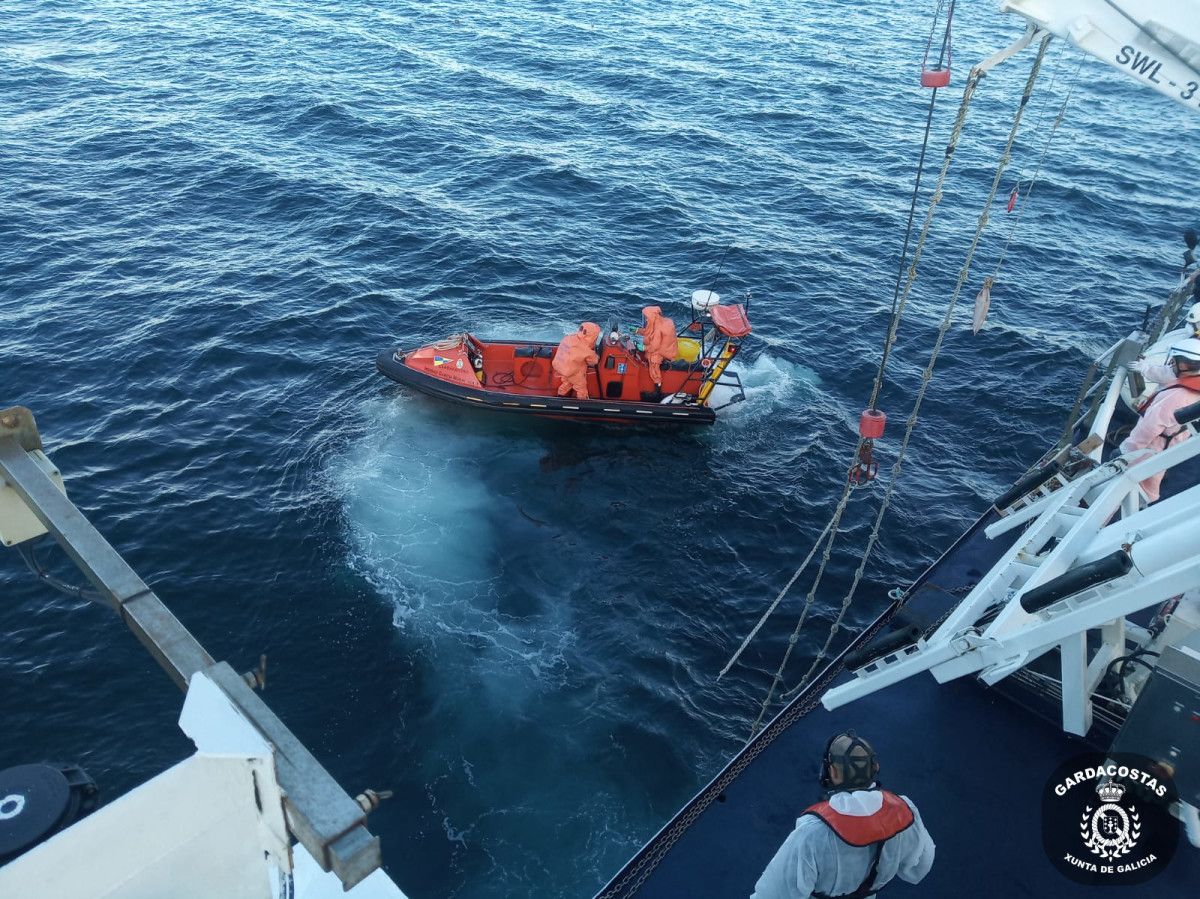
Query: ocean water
(216, 214)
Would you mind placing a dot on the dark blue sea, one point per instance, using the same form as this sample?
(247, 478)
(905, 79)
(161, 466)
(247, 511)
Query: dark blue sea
(213, 216)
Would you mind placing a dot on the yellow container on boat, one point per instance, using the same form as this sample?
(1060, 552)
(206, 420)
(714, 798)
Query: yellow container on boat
(689, 349)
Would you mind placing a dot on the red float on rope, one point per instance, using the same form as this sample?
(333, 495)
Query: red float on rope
(871, 424)
(935, 78)
(938, 75)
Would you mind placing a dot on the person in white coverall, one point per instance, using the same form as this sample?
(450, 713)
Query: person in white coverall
(855, 841)
(1157, 429)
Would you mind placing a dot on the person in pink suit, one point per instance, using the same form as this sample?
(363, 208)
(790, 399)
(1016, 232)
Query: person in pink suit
(571, 360)
(1157, 429)
(660, 341)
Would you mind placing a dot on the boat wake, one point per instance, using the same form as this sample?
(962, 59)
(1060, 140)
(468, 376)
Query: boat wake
(428, 531)
(475, 528)
(769, 382)
(534, 573)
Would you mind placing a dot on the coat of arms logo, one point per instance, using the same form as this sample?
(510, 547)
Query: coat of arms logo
(1110, 831)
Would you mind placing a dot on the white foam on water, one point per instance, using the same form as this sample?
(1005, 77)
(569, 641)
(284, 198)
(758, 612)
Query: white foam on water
(416, 510)
(422, 526)
(767, 381)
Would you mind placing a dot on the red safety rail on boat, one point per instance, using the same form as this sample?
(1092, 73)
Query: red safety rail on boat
(731, 320)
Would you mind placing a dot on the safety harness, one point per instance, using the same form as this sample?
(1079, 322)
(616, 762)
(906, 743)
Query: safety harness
(861, 831)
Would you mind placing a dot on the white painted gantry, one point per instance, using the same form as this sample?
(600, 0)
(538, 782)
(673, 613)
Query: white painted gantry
(1154, 42)
(1072, 526)
(211, 826)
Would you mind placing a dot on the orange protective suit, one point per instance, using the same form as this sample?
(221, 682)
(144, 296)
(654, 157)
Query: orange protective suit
(1157, 429)
(574, 354)
(660, 341)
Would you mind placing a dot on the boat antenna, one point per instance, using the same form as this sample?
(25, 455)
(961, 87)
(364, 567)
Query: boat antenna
(716, 279)
(720, 268)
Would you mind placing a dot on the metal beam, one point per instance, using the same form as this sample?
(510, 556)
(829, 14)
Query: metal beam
(320, 814)
(1089, 609)
(1076, 700)
(173, 647)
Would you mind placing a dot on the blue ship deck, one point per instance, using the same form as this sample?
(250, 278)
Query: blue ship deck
(974, 761)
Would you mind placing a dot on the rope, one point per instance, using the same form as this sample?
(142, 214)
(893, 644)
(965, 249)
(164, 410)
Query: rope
(937, 14)
(767, 614)
(897, 313)
(1062, 111)
(832, 527)
(968, 94)
(450, 343)
(955, 134)
(630, 880)
(912, 208)
(28, 554)
(927, 375)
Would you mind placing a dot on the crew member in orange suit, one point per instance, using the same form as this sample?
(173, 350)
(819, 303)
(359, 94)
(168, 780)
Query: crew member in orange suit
(571, 360)
(660, 342)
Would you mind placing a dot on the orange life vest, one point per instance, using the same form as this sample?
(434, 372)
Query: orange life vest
(1188, 382)
(874, 830)
(864, 830)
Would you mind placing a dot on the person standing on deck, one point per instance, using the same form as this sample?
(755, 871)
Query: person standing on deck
(855, 841)
(571, 360)
(660, 341)
(1157, 429)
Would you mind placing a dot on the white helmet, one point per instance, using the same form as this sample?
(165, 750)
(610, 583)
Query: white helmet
(1185, 355)
(1193, 317)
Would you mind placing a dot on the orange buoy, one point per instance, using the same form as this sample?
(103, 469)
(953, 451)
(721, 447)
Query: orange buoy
(938, 75)
(935, 78)
(871, 424)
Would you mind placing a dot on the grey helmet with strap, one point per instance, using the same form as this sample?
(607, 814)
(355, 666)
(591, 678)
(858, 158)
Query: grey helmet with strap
(1193, 318)
(853, 758)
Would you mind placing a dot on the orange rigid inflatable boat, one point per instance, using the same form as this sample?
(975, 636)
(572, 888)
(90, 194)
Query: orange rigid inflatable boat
(516, 375)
